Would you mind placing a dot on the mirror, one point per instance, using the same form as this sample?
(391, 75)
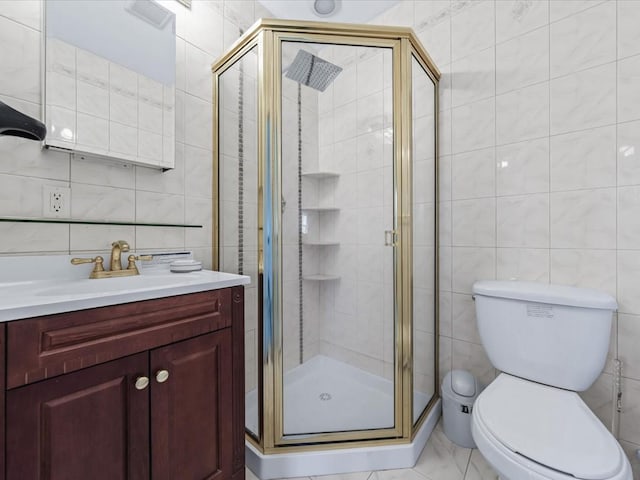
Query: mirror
(110, 80)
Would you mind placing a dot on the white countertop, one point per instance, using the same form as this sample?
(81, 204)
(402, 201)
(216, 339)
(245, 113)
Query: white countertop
(46, 285)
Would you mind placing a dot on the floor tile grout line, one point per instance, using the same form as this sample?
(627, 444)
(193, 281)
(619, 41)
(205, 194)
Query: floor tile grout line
(466, 470)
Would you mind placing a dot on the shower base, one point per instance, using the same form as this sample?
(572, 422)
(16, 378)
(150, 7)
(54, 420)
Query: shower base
(326, 395)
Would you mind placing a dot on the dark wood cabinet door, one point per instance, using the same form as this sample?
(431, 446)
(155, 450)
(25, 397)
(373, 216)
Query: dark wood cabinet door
(90, 424)
(2, 401)
(191, 420)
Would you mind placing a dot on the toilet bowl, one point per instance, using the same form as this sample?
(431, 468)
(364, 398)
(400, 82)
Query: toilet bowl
(549, 342)
(529, 431)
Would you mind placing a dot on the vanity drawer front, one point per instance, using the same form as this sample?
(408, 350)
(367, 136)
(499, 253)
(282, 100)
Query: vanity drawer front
(53, 345)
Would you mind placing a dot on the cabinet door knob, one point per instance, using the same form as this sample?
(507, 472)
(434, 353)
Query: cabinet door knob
(142, 383)
(162, 376)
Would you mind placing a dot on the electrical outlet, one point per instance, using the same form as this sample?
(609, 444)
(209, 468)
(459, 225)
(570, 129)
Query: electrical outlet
(56, 202)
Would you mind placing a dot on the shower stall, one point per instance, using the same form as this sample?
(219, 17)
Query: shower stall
(326, 179)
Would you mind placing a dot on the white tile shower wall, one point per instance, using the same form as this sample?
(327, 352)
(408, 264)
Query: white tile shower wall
(312, 196)
(102, 191)
(354, 113)
(544, 181)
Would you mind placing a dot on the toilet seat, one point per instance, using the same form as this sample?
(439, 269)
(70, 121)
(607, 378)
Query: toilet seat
(532, 431)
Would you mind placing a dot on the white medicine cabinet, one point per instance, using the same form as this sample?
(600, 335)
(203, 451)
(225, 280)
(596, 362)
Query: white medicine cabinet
(109, 88)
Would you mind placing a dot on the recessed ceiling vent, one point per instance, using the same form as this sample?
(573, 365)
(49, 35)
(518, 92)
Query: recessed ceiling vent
(326, 8)
(151, 12)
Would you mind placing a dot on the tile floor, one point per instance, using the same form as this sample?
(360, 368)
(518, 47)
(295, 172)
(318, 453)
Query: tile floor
(440, 460)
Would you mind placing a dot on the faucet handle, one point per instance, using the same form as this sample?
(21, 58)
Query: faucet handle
(97, 260)
(132, 260)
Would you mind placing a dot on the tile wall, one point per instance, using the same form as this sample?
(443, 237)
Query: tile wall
(299, 150)
(354, 114)
(539, 172)
(110, 191)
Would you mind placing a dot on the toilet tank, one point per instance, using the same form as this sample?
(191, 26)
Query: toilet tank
(551, 334)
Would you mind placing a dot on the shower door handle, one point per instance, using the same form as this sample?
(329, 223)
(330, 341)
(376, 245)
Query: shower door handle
(390, 238)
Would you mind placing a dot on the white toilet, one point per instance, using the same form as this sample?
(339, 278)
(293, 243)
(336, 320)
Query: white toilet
(550, 341)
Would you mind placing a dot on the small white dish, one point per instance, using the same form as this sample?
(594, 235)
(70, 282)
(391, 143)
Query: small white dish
(182, 266)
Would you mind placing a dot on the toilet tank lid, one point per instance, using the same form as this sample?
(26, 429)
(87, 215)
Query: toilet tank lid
(545, 293)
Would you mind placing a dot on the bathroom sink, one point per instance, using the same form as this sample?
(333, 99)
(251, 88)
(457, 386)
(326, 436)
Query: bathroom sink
(121, 284)
(11, 289)
(40, 285)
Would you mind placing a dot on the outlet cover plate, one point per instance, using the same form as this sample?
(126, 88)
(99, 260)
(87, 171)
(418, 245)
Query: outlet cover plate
(56, 202)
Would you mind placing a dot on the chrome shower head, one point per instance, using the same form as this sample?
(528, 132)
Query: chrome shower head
(312, 71)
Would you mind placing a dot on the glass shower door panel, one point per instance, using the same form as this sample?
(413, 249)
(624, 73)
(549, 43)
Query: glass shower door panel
(338, 275)
(238, 197)
(424, 254)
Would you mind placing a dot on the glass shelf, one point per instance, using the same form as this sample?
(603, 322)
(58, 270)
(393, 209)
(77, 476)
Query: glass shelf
(95, 222)
(320, 209)
(320, 175)
(321, 277)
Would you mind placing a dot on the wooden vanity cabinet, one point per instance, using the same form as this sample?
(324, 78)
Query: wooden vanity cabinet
(105, 421)
(191, 425)
(92, 423)
(2, 403)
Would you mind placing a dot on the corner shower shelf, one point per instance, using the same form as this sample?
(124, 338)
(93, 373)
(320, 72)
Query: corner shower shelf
(320, 209)
(321, 244)
(321, 277)
(320, 175)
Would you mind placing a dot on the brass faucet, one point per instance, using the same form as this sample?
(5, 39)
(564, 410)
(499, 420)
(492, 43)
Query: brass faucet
(118, 247)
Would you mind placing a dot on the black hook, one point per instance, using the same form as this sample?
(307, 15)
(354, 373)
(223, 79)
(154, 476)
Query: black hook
(17, 124)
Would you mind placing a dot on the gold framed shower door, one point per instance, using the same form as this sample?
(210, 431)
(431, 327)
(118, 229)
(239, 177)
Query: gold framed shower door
(267, 35)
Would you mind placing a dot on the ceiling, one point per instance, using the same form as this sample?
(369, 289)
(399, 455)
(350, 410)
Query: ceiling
(349, 11)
